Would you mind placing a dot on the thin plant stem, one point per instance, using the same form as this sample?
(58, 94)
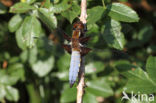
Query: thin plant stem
(103, 3)
(81, 84)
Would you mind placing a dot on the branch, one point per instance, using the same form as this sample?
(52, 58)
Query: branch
(81, 84)
(83, 15)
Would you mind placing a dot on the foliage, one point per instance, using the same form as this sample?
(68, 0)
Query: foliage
(34, 66)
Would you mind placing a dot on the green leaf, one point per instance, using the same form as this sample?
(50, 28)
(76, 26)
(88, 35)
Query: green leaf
(63, 62)
(13, 60)
(21, 8)
(3, 77)
(34, 96)
(151, 67)
(2, 92)
(7, 55)
(99, 87)
(16, 71)
(13, 73)
(32, 55)
(94, 67)
(71, 14)
(30, 1)
(12, 93)
(151, 49)
(94, 14)
(113, 35)
(92, 28)
(68, 95)
(46, 3)
(15, 22)
(123, 66)
(145, 33)
(89, 98)
(138, 80)
(31, 29)
(24, 56)
(60, 7)
(122, 12)
(6, 79)
(3, 9)
(19, 39)
(63, 76)
(56, 1)
(48, 18)
(42, 68)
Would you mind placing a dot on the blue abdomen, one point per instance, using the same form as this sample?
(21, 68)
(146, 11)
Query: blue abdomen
(74, 67)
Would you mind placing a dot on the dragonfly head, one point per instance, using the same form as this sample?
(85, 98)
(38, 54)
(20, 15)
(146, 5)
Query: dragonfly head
(78, 26)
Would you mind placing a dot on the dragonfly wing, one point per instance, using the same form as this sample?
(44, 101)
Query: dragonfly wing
(66, 37)
(67, 48)
(74, 67)
(84, 50)
(84, 39)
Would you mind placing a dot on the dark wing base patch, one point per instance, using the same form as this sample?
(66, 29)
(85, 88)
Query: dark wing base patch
(84, 51)
(84, 40)
(67, 48)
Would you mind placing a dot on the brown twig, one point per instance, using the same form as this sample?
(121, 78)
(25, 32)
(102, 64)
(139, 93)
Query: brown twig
(83, 16)
(81, 84)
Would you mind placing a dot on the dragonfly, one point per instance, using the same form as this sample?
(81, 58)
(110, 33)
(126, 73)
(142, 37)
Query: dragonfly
(76, 49)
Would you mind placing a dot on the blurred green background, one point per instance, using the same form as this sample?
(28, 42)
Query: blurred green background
(34, 67)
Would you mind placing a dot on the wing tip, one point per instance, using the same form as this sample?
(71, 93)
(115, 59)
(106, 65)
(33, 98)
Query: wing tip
(71, 84)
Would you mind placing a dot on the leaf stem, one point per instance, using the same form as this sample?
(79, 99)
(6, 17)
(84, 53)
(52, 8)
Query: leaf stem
(103, 3)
